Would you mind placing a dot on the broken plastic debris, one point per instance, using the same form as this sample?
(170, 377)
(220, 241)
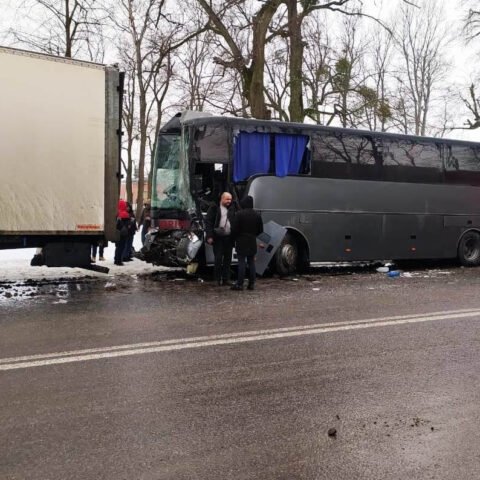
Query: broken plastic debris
(394, 273)
(192, 268)
(316, 289)
(383, 269)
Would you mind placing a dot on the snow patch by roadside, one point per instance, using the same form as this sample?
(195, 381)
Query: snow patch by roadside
(15, 266)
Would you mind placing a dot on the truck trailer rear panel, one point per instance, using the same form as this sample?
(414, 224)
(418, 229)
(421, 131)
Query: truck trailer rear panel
(59, 147)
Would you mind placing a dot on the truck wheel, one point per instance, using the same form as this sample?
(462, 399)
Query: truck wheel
(469, 249)
(286, 257)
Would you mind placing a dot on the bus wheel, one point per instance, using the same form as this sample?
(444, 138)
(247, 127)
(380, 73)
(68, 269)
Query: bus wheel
(469, 249)
(286, 257)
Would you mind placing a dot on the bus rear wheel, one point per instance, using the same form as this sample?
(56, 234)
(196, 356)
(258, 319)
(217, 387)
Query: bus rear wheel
(287, 256)
(469, 249)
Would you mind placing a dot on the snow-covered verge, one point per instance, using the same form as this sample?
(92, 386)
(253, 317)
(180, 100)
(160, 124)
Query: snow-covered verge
(15, 266)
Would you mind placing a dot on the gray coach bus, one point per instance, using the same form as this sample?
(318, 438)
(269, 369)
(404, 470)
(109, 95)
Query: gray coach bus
(342, 194)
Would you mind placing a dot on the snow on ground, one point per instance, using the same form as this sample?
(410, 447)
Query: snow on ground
(15, 266)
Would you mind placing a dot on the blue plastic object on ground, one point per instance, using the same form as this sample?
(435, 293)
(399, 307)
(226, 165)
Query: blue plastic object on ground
(393, 273)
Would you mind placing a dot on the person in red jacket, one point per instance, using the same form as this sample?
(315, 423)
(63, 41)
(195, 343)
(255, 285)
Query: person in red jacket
(123, 220)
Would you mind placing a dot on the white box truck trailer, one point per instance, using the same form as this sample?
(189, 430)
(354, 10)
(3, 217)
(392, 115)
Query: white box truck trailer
(60, 130)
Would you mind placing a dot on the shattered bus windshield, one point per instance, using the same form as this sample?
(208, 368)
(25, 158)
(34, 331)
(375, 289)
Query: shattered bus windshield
(170, 181)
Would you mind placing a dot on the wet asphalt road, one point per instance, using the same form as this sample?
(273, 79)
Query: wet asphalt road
(403, 397)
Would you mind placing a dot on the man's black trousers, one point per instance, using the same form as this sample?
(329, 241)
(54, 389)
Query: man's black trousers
(222, 249)
(241, 269)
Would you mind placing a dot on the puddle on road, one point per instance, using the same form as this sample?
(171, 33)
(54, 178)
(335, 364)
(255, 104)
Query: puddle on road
(58, 290)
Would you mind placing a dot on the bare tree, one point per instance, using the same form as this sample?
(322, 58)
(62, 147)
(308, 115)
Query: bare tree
(354, 94)
(152, 34)
(318, 69)
(199, 79)
(472, 103)
(129, 118)
(296, 19)
(421, 39)
(69, 28)
(471, 26)
(277, 80)
(381, 53)
(297, 13)
(243, 35)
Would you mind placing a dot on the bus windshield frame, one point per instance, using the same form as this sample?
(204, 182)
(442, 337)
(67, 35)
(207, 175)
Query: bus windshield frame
(171, 179)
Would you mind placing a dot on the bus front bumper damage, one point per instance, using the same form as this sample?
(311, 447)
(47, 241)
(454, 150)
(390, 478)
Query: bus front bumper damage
(171, 248)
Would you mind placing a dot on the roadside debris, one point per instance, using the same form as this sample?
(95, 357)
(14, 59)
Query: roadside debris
(393, 273)
(332, 432)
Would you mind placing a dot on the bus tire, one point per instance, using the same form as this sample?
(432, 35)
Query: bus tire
(287, 256)
(469, 249)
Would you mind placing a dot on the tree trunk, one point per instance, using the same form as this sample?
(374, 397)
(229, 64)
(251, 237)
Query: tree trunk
(143, 121)
(296, 62)
(253, 76)
(68, 27)
(142, 151)
(253, 84)
(128, 182)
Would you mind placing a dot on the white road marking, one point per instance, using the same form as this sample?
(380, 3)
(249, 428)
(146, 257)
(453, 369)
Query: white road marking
(30, 361)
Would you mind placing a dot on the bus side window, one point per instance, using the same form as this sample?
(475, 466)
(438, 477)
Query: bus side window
(463, 158)
(412, 161)
(339, 155)
(211, 144)
(329, 156)
(412, 154)
(462, 164)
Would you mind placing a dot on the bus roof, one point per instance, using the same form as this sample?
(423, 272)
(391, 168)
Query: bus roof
(276, 125)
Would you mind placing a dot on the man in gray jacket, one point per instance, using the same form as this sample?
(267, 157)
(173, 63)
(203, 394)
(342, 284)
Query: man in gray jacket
(218, 229)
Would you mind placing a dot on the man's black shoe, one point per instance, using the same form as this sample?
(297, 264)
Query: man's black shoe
(120, 264)
(251, 287)
(236, 287)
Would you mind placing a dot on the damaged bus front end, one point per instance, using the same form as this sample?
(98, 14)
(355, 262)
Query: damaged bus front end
(176, 234)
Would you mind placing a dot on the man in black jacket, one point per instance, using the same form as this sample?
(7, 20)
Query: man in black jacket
(218, 228)
(246, 227)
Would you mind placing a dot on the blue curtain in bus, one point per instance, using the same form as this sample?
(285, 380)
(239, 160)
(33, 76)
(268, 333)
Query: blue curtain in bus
(251, 155)
(289, 150)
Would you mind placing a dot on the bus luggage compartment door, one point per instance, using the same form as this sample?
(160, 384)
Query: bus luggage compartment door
(271, 238)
